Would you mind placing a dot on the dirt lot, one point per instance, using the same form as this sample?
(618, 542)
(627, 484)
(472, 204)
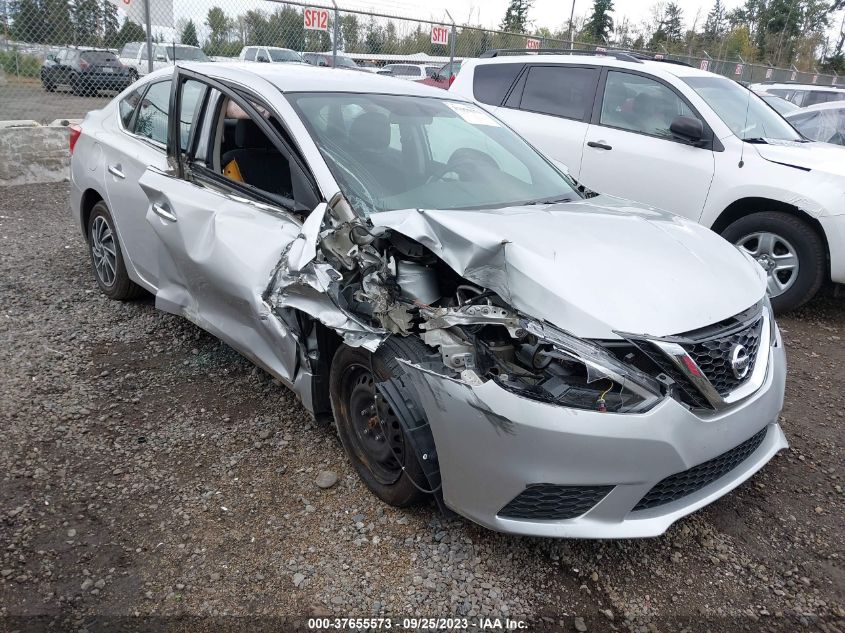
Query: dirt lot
(26, 99)
(148, 471)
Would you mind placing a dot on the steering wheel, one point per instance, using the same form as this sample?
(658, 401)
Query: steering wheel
(440, 173)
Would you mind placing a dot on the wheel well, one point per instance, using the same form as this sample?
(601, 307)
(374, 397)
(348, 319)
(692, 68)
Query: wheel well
(89, 199)
(328, 342)
(747, 206)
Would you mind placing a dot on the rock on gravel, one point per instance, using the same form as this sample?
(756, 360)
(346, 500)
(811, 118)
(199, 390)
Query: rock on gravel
(326, 479)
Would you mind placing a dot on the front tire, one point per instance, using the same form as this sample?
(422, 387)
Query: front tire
(790, 251)
(107, 257)
(370, 432)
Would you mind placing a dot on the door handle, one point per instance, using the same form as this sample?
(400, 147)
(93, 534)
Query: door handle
(598, 145)
(162, 212)
(114, 170)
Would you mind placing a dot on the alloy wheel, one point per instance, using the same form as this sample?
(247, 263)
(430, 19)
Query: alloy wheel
(103, 251)
(776, 256)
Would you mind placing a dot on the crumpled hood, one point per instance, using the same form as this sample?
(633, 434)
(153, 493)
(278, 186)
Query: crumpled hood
(819, 157)
(592, 267)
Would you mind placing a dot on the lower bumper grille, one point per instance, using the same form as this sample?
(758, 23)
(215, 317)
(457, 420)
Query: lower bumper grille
(553, 502)
(689, 481)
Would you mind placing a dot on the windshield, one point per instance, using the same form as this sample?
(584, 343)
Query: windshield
(346, 62)
(278, 55)
(401, 152)
(741, 110)
(781, 105)
(188, 53)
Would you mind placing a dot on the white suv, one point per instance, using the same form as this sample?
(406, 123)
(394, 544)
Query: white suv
(684, 140)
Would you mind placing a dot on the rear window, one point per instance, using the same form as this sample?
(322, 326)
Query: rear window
(492, 82)
(131, 49)
(98, 57)
(563, 91)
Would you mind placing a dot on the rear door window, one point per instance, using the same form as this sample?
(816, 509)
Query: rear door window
(250, 55)
(564, 91)
(492, 82)
(151, 119)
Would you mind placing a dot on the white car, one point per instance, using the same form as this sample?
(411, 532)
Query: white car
(802, 94)
(410, 72)
(538, 360)
(270, 54)
(134, 56)
(824, 122)
(684, 140)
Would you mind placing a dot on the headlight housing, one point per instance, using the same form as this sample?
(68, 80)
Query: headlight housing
(575, 373)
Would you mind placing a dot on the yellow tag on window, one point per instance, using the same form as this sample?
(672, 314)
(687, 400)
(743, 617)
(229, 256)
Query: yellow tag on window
(232, 172)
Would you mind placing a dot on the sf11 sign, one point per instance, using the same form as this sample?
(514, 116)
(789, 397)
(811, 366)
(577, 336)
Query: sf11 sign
(704, 65)
(316, 19)
(532, 43)
(439, 34)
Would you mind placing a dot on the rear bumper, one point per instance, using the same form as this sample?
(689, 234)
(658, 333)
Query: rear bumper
(106, 82)
(834, 229)
(492, 444)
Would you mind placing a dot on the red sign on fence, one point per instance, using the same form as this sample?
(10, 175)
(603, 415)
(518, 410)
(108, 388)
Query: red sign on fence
(439, 34)
(738, 69)
(815, 78)
(704, 65)
(769, 73)
(316, 19)
(531, 43)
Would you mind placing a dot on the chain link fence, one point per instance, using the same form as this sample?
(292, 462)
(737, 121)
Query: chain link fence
(61, 58)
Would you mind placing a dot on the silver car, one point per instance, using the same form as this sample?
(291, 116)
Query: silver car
(538, 359)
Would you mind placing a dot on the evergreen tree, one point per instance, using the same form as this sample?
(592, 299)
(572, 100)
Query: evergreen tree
(28, 21)
(85, 17)
(189, 34)
(714, 26)
(599, 25)
(110, 25)
(220, 27)
(516, 16)
(129, 32)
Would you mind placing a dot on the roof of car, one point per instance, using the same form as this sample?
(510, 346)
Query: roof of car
(652, 66)
(830, 105)
(307, 78)
(796, 86)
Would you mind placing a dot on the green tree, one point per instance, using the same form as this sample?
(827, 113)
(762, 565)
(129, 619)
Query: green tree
(28, 21)
(287, 29)
(350, 32)
(129, 32)
(85, 18)
(516, 16)
(714, 26)
(599, 25)
(109, 23)
(220, 28)
(189, 34)
(257, 29)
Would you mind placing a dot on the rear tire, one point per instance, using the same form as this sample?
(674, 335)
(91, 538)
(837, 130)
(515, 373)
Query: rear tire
(774, 239)
(371, 435)
(48, 85)
(133, 75)
(107, 258)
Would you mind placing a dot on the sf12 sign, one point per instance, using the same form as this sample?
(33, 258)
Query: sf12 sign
(316, 19)
(439, 34)
(531, 43)
(704, 65)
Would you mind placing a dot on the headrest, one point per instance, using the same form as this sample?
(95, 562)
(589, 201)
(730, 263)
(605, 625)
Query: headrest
(371, 130)
(249, 135)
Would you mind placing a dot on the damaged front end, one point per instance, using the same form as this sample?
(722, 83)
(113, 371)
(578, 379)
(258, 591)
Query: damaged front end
(367, 282)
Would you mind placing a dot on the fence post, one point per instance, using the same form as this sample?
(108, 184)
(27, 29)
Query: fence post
(149, 36)
(452, 36)
(335, 27)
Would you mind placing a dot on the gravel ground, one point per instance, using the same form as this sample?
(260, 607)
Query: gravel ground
(147, 470)
(26, 99)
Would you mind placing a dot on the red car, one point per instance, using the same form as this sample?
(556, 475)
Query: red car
(445, 75)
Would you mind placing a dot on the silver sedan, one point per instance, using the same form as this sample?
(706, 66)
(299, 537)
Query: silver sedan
(540, 359)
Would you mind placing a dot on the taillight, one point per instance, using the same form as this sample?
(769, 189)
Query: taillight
(75, 133)
(451, 80)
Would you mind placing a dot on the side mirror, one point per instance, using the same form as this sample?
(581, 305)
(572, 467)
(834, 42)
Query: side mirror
(161, 58)
(687, 129)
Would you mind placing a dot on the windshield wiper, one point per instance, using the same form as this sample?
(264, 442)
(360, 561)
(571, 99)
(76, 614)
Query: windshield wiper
(757, 140)
(547, 201)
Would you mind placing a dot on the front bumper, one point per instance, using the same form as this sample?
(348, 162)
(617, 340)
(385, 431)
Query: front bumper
(834, 229)
(492, 444)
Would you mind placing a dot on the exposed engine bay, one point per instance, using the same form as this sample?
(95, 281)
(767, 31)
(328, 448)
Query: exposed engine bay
(383, 283)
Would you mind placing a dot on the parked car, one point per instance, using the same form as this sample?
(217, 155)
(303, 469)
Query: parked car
(802, 95)
(409, 72)
(684, 140)
(781, 105)
(824, 122)
(444, 76)
(271, 54)
(134, 55)
(539, 360)
(325, 59)
(85, 71)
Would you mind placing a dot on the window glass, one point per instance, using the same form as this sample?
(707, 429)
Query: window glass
(250, 55)
(151, 120)
(283, 55)
(431, 71)
(400, 152)
(560, 90)
(492, 82)
(192, 96)
(131, 49)
(98, 57)
(127, 108)
(639, 104)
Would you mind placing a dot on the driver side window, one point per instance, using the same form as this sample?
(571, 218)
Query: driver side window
(639, 104)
